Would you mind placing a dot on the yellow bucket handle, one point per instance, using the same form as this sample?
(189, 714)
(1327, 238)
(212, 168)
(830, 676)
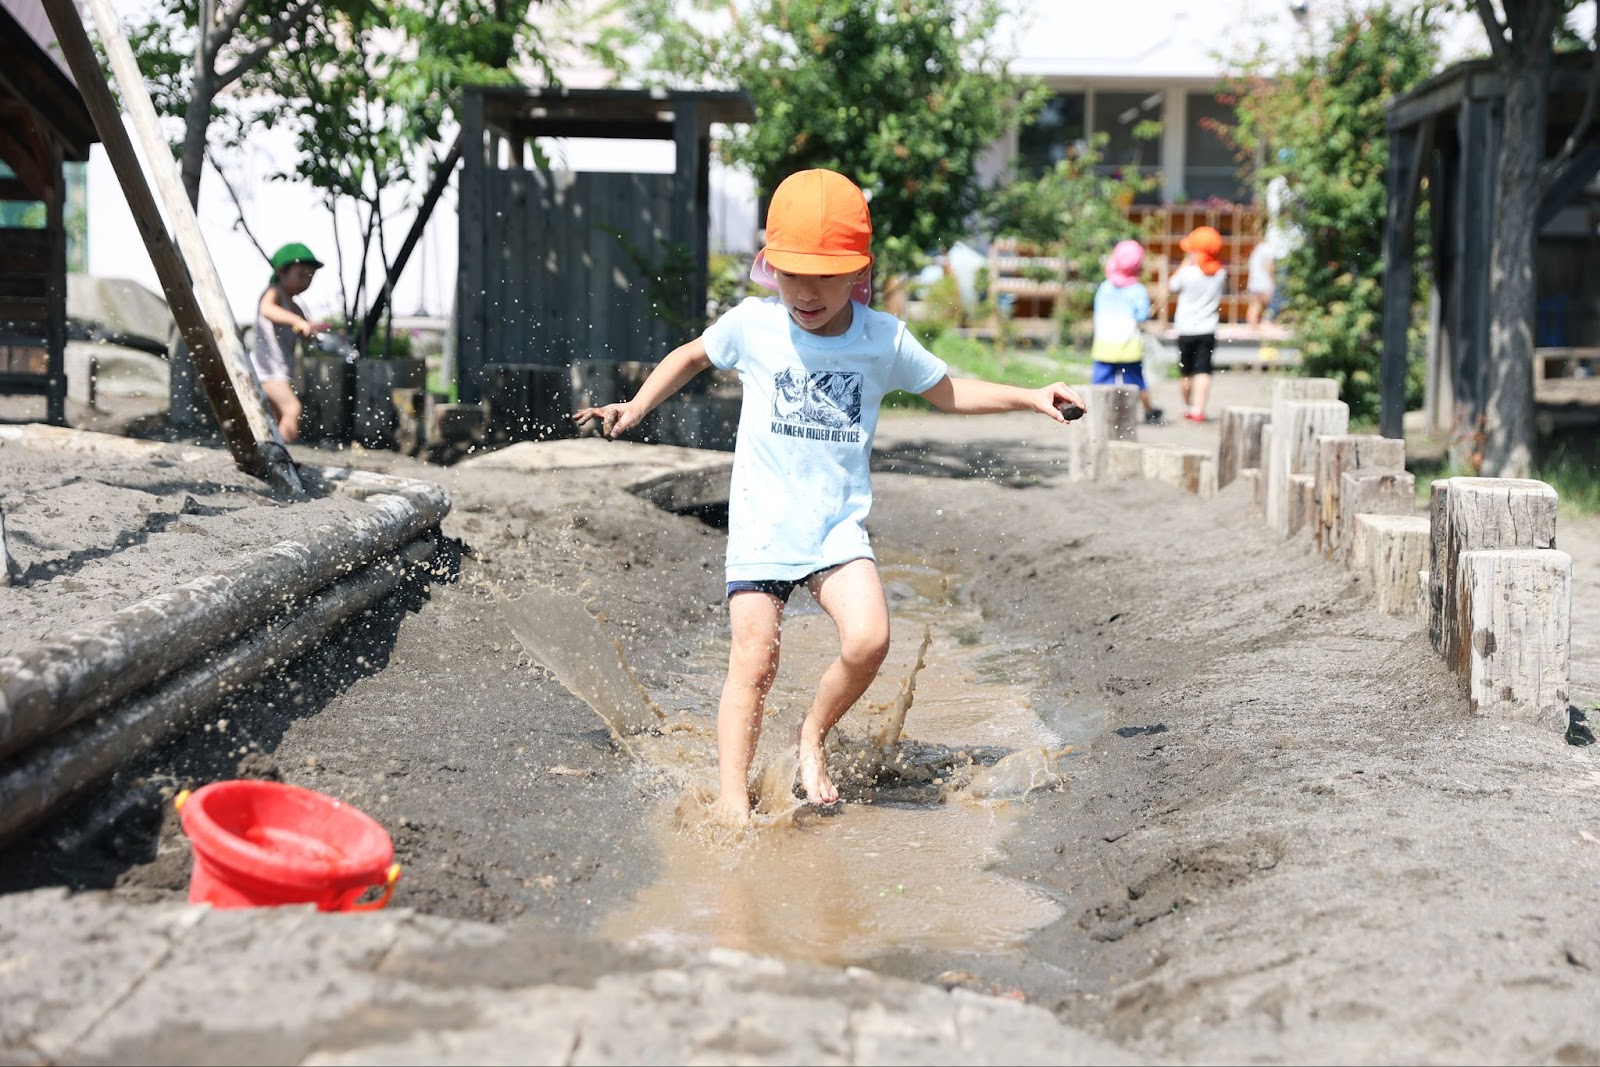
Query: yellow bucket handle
(388, 891)
(178, 801)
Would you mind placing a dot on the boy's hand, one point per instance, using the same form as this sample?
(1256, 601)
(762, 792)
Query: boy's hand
(1057, 400)
(614, 419)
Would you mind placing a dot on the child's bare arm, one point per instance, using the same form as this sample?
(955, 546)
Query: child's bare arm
(670, 375)
(279, 315)
(973, 396)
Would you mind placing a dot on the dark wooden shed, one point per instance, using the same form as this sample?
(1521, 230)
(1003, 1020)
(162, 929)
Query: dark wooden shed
(557, 268)
(43, 123)
(1444, 142)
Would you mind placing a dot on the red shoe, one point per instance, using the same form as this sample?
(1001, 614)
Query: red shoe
(1194, 416)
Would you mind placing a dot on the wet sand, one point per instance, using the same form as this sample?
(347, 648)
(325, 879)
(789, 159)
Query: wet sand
(1282, 837)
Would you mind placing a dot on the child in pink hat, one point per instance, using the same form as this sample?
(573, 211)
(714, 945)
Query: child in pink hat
(1120, 305)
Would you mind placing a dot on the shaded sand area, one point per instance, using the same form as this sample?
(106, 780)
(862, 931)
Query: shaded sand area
(1279, 835)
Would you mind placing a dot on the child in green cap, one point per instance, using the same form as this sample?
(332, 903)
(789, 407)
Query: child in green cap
(278, 322)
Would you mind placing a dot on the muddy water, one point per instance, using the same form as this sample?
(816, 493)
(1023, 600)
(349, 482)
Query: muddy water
(905, 863)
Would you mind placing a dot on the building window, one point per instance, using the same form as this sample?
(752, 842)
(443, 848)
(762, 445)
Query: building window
(1045, 141)
(1209, 166)
(1128, 121)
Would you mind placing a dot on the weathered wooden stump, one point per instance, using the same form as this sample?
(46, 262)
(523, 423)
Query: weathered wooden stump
(1364, 492)
(1514, 631)
(1268, 444)
(1301, 503)
(1438, 526)
(1112, 415)
(1239, 447)
(1294, 441)
(9, 568)
(1124, 460)
(450, 424)
(1181, 468)
(1274, 456)
(1251, 479)
(1485, 514)
(1337, 453)
(1391, 549)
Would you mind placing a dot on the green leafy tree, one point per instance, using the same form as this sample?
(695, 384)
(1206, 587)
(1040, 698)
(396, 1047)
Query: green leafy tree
(903, 96)
(1318, 120)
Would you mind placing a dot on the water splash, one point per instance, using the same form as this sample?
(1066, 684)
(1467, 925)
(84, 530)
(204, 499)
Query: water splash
(570, 642)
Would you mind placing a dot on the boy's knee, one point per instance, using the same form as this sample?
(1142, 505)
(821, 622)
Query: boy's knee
(866, 648)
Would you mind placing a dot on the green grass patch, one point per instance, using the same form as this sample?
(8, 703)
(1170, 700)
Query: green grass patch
(1570, 474)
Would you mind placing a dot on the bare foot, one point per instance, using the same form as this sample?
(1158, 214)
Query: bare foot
(731, 812)
(819, 788)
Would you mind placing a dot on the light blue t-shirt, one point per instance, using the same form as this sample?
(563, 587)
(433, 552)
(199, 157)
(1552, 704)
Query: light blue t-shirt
(1118, 311)
(802, 484)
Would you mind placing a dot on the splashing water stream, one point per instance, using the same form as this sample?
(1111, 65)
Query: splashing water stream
(905, 863)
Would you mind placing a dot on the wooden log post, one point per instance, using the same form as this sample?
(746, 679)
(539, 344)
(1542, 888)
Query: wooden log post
(1514, 631)
(528, 402)
(1112, 414)
(1239, 447)
(1259, 487)
(1364, 492)
(1250, 477)
(1486, 514)
(1274, 454)
(1391, 549)
(1125, 460)
(1181, 468)
(1295, 443)
(1438, 537)
(1301, 505)
(1337, 453)
(9, 568)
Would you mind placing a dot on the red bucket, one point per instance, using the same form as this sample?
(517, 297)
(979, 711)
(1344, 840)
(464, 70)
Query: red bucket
(261, 844)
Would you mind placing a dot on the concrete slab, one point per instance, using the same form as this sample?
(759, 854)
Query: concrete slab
(291, 985)
(669, 476)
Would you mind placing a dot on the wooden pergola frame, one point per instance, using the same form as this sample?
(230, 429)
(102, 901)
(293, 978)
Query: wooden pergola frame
(1445, 133)
(43, 124)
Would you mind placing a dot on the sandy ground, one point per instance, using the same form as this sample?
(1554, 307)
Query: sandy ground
(1282, 837)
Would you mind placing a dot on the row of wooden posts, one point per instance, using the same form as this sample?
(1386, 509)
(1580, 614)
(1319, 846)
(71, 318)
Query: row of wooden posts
(1481, 567)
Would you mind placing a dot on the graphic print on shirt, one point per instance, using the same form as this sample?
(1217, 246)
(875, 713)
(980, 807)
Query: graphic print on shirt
(820, 406)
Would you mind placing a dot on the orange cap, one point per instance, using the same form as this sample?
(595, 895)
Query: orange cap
(818, 223)
(1205, 242)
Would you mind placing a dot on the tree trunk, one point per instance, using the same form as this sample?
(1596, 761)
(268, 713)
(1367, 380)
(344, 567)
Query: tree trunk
(196, 121)
(1508, 426)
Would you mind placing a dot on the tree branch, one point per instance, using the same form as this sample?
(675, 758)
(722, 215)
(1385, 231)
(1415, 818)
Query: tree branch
(230, 23)
(238, 205)
(1496, 32)
(276, 36)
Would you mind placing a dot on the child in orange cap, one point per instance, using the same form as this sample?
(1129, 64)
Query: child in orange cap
(815, 363)
(1199, 282)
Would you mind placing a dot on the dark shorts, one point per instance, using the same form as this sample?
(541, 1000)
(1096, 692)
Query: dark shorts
(1195, 352)
(778, 587)
(1109, 373)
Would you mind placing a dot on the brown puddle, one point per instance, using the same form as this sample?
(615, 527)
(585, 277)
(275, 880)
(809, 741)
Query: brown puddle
(905, 863)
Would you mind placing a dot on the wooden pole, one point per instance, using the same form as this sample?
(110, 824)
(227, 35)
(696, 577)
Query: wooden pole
(229, 383)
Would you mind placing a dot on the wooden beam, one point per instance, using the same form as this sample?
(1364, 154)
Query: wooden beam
(259, 453)
(1571, 179)
(470, 252)
(1408, 148)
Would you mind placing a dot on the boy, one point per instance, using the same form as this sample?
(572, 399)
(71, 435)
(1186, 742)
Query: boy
(815, 363)
(1200, 282)
(280, 322)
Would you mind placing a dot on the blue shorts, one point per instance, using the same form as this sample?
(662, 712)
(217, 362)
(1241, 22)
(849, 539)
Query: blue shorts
(1108, 373)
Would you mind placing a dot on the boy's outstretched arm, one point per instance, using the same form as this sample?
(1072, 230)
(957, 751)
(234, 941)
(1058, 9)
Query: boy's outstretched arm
(670, 375)
(974, 396)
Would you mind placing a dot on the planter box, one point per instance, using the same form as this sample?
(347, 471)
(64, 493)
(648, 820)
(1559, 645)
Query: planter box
(324, 385)
(373, 419)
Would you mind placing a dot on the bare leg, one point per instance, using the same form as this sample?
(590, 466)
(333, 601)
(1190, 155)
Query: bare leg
(1184, 389)
(1202, 388)
(285, 407)
(752, 667)
(852, 595)
(1252, 311)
